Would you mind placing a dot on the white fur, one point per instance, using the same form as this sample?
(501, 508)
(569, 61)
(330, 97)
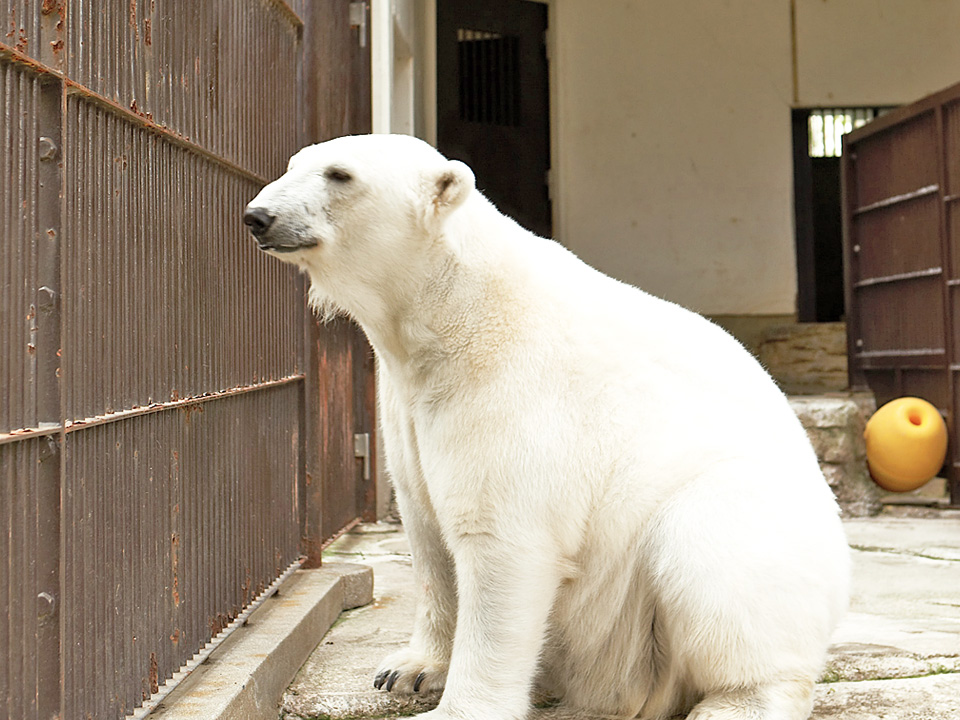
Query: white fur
(606, 496)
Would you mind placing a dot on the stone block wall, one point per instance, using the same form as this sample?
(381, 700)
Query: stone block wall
(835, 428)
(806, 358)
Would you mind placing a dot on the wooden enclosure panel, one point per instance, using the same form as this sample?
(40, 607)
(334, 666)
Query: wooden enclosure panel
(898, 161)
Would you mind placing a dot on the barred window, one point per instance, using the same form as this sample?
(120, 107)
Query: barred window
(828, 126)
(489, 68)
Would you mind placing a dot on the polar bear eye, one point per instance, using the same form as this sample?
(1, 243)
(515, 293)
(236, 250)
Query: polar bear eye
(337, 174)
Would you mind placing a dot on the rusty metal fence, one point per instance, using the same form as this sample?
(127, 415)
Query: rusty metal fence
(901, 179)
(160, 430)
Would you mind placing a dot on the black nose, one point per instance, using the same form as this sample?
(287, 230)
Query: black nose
(258, 220)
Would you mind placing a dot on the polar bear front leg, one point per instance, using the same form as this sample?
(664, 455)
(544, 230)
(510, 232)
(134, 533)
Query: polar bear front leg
(422, 665)
(506, 589)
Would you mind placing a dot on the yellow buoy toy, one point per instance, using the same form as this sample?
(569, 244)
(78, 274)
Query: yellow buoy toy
(906, 444)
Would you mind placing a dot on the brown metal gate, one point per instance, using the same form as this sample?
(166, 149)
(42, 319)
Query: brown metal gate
(901, 178)
(160, 433)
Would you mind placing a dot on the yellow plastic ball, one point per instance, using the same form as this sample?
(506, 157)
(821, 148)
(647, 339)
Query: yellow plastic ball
(906, 444)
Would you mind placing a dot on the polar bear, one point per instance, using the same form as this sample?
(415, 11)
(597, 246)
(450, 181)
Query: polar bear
(607, 499)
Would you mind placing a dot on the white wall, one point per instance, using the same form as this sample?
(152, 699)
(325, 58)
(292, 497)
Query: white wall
(672, 141)
(671, 133)
(403, 67)
(875, 52)
(672, 145)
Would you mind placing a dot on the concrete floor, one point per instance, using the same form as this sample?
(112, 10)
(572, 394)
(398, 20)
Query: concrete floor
(895, 657)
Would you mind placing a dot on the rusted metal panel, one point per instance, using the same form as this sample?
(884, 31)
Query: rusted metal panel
(146, 583)
(331, 501)
(29, 628)
(335, 100)
(29, 407)
(161, 417)
(335, 72)
(365, 421)
(901, 178)
(21, 25)
(199, 69)
(34, 29)
(163, 297)
(28, 222)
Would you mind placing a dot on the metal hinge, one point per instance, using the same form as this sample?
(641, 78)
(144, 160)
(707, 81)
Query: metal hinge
(361, 449)
(358, 19)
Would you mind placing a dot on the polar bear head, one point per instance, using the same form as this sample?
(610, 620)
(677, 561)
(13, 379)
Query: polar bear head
(357, 212)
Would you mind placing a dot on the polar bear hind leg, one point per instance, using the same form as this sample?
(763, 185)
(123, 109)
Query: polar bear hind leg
(748, 598)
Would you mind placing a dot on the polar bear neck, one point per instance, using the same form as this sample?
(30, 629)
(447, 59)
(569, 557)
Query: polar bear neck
(455, 302)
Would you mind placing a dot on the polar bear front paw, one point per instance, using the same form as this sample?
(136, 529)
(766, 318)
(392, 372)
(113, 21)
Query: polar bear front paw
(408, 671)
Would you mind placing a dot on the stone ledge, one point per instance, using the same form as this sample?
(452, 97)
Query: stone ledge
(245, 677)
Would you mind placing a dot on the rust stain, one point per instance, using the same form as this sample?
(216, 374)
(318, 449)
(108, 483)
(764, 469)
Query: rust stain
(154, 677)
(147, 34)
(190, 410)
(133, 20)
(175, 636)
(217, 623)
(175, 559)
(135, 109)
(246, 586)
(50, 6)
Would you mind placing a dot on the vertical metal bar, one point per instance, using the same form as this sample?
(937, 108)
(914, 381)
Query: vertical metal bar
(851, 264)
(49, 292)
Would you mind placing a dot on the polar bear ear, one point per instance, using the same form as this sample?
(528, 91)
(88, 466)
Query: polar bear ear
(449, 187)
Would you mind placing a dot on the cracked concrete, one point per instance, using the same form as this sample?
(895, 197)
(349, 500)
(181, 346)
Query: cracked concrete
(896, 656)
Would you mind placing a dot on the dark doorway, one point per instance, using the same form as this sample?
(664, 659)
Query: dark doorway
(817, 148)
(493, 101)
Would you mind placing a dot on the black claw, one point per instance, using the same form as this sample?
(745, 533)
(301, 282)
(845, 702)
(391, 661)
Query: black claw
(380, 679)
(392, 679)
(418, 682)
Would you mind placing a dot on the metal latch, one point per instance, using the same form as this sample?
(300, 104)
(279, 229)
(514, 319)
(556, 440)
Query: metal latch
(361, 449)
(358, 19)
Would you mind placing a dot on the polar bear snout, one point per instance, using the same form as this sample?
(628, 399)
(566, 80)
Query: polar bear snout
(272, 235)
(258, 220)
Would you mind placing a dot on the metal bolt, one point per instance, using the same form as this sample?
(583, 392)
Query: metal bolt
(48, 298)
(856, 248)
(48, 149)
(46, 604)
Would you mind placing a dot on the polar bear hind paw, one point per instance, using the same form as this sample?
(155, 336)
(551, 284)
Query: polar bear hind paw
(409, 672)
(778, 701)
